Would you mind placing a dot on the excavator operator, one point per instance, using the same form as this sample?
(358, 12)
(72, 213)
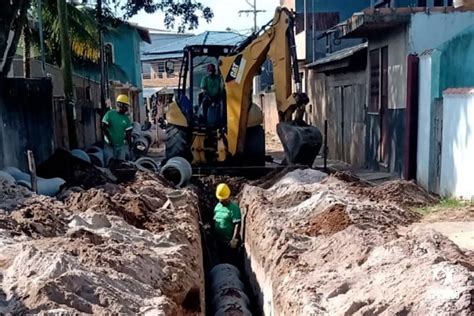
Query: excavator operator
(211, 89)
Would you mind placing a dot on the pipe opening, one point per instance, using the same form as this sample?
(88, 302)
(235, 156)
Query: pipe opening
(173, 175)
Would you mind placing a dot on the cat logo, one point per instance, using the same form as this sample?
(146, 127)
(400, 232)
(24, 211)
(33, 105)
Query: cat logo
(237, 70)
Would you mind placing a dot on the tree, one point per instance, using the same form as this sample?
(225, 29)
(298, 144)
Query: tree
(187, 10)
(84, 43)
(12, 20)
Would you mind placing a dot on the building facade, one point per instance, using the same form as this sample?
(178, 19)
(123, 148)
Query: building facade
(395, 38)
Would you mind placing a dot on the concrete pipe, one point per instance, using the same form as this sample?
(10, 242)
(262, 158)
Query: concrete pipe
(230, 296)
(233, 310)
(6, 177)
(177, 170)
(17, 174)
(25, 184)
(97, 158)
(177, 198)
(49, 187)
(224, 268)
(227, 282)
(151, 135)
(161, 136)
(141, 145)
(81, 154)
(94, 149)
(148, 163)
(137, 130)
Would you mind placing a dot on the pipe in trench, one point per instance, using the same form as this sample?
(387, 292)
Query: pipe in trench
(228, 291)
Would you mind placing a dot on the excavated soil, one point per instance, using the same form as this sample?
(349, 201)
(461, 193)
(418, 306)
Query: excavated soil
(111, 249)
(319, 245)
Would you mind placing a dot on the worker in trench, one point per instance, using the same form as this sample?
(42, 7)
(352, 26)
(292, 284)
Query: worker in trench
(117, 129)
(227, 220)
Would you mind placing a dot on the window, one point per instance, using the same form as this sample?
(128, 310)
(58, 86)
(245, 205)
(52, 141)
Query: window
(109, 53)
(436, 3)
(161, 69)
(374, 81)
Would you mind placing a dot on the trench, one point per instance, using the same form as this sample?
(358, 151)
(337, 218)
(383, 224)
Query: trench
(205, 189)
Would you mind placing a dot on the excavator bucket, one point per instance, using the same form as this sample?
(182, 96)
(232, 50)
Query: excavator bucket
(300, 141)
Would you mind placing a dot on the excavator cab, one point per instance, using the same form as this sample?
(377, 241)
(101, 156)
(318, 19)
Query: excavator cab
(229, 130)
(199, 135)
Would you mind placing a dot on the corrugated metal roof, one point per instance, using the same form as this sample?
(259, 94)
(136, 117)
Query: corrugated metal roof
(148, 58)
(175, 48)
(161, 40)
(343, 53)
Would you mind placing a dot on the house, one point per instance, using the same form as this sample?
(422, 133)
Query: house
(445, 148)
(123, 70)
(123, 65)
(388, 106)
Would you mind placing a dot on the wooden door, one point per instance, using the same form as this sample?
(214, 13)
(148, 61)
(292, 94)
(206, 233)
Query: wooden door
(383, 112)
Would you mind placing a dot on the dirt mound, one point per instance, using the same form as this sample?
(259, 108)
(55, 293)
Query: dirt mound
(336, 251)
(13, 196)
(75, 171)
(113, 249)
(330, 221)
(403, 193)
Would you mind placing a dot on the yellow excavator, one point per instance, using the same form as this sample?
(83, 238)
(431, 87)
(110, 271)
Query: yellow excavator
(229, 132)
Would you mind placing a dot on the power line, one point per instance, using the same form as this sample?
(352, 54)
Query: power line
(253, 11)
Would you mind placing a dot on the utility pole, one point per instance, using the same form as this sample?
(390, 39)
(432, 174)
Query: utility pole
(253, 11)
(103, 75)
(66, 66)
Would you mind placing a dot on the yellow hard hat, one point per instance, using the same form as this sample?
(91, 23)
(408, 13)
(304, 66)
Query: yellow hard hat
(222, 192)
(122, 98)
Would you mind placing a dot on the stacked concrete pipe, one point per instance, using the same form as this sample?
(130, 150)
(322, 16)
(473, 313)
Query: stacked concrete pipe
(49, 187)
(81, 154)
(228, 291)
(143, 140)
(96, 156)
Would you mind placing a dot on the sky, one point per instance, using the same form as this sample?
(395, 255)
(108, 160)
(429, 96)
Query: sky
(225, 15)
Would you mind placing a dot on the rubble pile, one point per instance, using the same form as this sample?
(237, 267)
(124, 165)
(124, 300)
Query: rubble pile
(110, 249)
(322, 245)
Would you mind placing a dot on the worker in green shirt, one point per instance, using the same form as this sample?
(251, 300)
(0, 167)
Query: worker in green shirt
(211, 89)
(211, 84)
(227, 220)
(117, 129)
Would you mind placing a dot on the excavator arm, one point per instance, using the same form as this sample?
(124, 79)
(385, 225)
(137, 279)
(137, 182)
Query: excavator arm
(276, 42)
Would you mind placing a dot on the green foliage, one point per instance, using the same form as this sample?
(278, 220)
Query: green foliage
(83, 31)
(444, 204)
(186, 10)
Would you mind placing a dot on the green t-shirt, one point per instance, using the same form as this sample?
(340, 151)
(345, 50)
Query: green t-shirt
(225, 217)
(212, 85)
(117, 125)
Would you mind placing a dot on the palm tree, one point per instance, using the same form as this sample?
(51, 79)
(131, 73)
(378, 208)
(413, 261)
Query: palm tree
(82, 27)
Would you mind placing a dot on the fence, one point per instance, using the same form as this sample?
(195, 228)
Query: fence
(26, 120)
